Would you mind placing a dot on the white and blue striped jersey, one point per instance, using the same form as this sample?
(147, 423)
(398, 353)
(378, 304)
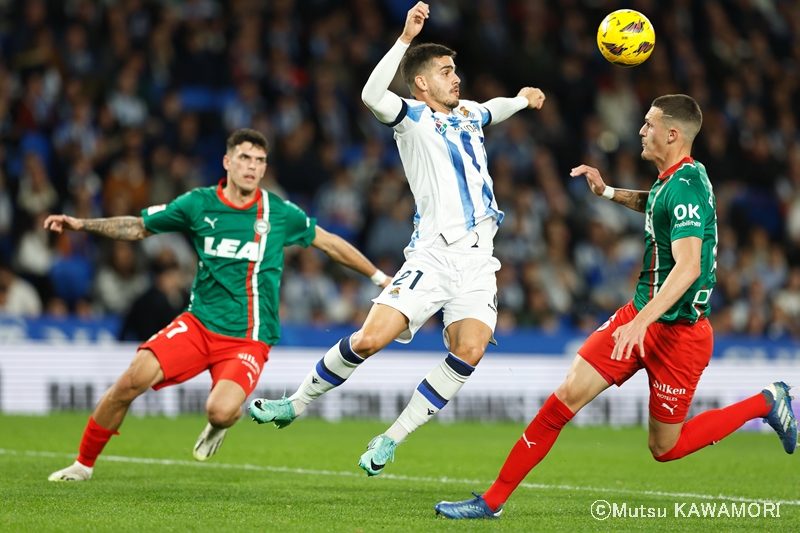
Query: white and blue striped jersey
(445, 164)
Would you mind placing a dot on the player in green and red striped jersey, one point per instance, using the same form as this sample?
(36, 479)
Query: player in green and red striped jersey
(664, 330)
(238, 231)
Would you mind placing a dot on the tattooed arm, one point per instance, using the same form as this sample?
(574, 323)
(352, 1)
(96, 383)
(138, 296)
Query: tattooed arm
(118, 228)
(636, 200)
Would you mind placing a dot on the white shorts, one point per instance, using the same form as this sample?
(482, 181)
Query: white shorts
(462, 281)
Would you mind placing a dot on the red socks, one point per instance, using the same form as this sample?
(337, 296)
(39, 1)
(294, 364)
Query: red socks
(529, 450)
(702, 430)
(93, 441)
(714, 425)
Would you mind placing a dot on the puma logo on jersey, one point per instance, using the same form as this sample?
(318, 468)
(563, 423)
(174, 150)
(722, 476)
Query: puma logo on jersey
(684, 179)
(211, 222)
(230, 249)
(670, 409)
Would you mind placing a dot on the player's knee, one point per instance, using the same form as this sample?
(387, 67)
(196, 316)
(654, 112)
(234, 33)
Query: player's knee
(663, 456)
(223, 416)
(470, 353)
(366, 343)
(568, 395)
(663, 451)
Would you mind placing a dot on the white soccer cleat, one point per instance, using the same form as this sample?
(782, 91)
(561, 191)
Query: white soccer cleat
(208, 442)
(74, 472)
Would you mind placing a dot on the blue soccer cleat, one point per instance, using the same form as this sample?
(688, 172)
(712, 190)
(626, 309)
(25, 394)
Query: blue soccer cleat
(280, 411)
(474, 508)
(781, 417)
(380, 451)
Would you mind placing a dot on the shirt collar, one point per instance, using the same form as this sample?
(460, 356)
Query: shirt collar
(221, 186)
(671, 170)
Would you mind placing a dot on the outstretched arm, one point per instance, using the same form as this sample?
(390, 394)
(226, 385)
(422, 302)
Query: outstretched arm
(119, 228)
(636, 200)
(503, 108)
(345, 253)
(384, 104)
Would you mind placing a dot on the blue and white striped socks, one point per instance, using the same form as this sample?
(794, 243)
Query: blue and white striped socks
(331, 371)
(438, 387)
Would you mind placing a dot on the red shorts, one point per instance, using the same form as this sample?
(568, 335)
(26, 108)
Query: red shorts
(675, 357)
(185, 348)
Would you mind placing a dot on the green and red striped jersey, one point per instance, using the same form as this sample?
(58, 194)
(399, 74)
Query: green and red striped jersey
(681, 204)
(239, 256)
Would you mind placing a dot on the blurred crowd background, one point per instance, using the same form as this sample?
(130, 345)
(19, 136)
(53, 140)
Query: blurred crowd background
(109, 106)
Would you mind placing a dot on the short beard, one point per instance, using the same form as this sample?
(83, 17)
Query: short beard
(448, 100)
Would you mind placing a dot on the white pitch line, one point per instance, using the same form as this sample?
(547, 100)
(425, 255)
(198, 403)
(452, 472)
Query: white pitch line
(446, 480)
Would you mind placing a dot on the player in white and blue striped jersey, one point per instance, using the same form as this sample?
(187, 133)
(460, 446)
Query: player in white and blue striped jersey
(449, 263)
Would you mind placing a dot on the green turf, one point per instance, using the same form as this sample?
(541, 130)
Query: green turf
(126, 496)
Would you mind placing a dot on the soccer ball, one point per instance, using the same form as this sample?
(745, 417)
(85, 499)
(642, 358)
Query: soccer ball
(626, 38)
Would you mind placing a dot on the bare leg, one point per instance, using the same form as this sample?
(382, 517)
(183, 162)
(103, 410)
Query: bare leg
(223, 409)
(582, 385)
(469, 339)
(382, 326)
(144, 372)
(663, 436)
(224, 404)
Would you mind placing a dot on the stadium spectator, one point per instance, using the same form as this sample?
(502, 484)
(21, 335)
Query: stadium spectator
(510, 292)
(34, 257)
(77, 136)
(128, 108)
(36, 192)
(79, 59)
(389, 230)
(120, 283)
(160, 304)
(524, 220)
(6, 219)
(18, 298)
(338, 205)
(241, 110)
(310, 290)
(557, 275)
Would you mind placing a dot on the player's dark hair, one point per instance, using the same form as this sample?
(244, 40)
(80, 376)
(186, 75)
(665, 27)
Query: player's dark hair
(418, 59)
(681, 110)
(247, 135)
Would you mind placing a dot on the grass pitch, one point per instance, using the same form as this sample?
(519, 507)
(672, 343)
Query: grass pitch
(306, 478)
